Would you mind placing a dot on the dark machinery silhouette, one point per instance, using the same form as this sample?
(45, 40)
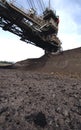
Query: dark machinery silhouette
(40, 30)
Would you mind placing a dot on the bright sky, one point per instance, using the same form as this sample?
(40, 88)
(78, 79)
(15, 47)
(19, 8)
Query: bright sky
(12, 49)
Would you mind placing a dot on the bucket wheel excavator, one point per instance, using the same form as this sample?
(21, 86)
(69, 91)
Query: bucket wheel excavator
(40, 30)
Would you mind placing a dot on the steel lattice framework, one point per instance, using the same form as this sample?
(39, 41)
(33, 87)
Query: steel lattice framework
(30, 27)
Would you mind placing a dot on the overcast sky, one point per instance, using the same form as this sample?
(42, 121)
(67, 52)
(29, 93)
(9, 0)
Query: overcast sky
(69, 11)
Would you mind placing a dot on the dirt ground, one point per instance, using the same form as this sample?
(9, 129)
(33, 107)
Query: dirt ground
(42, 94)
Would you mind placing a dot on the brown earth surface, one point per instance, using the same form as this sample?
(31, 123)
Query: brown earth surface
(42, 94)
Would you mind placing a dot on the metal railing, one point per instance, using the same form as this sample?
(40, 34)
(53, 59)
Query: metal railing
(17, 5)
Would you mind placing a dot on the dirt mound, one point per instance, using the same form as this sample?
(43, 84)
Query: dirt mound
(68, 62)
(42, 94)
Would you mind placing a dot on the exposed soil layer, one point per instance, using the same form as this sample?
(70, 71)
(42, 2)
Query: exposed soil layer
(42, 94)
(66, 63)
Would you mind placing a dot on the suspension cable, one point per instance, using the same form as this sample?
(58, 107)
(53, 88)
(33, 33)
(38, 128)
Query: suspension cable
(29, 4)
(41, 4)
(33, 4)
(36, 5)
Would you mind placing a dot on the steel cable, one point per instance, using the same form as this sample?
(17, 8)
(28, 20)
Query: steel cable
(39, 6)
(28, 1)
(42, 4)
